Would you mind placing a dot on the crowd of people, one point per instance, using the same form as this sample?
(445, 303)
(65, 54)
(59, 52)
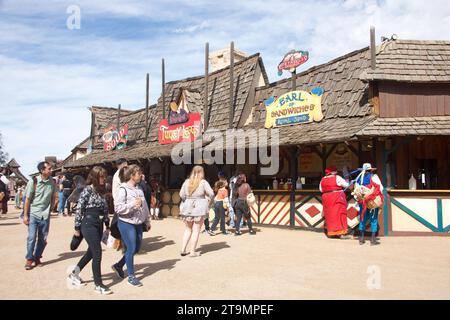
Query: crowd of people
(133, 203)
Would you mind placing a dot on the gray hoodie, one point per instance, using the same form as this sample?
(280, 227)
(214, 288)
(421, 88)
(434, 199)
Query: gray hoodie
(126, 208)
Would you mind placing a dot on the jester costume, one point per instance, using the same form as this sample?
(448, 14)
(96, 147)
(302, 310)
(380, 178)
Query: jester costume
(371, 181)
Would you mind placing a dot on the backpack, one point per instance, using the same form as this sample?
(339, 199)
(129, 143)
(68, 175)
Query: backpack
(31, 199)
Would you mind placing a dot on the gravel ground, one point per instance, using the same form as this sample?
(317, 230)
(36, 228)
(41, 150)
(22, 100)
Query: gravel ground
(273, 264)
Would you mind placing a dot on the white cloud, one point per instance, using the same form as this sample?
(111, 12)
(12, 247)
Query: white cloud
(54, 73)
(193, 28)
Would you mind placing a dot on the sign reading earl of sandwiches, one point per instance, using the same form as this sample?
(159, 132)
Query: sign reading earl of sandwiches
(294, 107)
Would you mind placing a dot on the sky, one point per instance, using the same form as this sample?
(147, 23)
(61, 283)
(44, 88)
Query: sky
(54, 66)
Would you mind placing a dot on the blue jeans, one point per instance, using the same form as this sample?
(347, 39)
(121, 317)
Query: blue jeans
(37, 228)
(231, 213)
(369, 214)
(132, 237)
(62, 202)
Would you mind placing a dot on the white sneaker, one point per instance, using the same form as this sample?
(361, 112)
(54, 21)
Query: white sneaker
(75, 280)
(102, 290)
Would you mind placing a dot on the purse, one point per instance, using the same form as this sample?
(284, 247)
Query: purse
(251, 200)
(75, 243)
(226, 204)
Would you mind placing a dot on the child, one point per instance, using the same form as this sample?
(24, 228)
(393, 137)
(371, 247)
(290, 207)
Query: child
(220, 205)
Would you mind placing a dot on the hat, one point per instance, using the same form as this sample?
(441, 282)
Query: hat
(330, 170)
(368, 167)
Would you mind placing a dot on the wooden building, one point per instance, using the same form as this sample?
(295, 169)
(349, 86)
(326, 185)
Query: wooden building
(390, 107)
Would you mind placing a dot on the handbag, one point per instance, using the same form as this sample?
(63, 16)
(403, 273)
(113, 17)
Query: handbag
(2, 195)
(226, 204)
(75, 243)
(251, 200)
(114, 227)
(375, 203)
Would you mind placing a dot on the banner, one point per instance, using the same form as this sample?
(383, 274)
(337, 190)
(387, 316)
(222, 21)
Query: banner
(294, 107)
(188, 131)
(113, 139)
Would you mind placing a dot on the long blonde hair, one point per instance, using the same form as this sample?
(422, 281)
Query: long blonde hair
(195, 178)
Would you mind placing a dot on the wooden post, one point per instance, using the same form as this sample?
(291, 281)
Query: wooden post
(373, 49)
(118, 117)
(163, 89)
(231, 84)
(294, 80)
(147, 89)
(205, 108)
(293, 170)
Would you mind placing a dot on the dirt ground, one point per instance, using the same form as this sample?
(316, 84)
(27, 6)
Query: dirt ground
(273, 264)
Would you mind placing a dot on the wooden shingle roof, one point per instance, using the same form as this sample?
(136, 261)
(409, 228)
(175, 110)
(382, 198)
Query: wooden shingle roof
(433, 126)
(345, 95)
(218, 86)
(102, 117)
(345, 103)
(13, 164)
(411, 61)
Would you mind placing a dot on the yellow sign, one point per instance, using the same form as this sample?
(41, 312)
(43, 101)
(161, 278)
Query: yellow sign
(294, 107)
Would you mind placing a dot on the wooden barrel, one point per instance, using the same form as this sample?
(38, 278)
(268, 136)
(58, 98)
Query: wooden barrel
(165, 210)
(166, 197)
(176, 198)
(175, 212)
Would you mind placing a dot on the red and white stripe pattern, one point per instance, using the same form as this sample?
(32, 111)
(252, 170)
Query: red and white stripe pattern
(274, 210)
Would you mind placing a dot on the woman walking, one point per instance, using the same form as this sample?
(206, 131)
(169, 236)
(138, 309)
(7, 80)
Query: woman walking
(241, 208)
(196, 194)
(132, 210)
(220, 201)
(91, 214)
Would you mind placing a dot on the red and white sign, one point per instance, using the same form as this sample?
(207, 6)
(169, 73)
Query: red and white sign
(292, 60)
(113, 139)
(187, 131)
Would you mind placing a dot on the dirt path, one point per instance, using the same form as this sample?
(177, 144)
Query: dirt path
(274, 264)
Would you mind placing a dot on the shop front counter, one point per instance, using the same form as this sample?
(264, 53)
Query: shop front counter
(418, 212)
(302, 208)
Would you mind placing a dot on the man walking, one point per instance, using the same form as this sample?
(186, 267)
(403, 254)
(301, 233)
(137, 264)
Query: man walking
(41, 194)
(116, 180)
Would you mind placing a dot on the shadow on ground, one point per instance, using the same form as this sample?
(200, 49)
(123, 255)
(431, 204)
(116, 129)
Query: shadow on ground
(142, 271)
(210, 247)
(154, 243)
(65, 256)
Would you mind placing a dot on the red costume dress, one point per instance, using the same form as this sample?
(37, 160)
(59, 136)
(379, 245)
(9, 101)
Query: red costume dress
(334, 206)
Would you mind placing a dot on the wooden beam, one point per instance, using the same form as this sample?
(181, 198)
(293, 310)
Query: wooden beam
(205, 107)
(147, 89)
(352, 149)
(118, 117)
(231, 84)
(294, 80)
(317, 151)
(327, 155)
(163, 89)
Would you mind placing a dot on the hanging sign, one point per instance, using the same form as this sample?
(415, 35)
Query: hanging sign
(180, 126)
(294, 107)
(292, 60)
(113, 139)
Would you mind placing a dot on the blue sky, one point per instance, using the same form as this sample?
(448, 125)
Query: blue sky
(51, 74)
